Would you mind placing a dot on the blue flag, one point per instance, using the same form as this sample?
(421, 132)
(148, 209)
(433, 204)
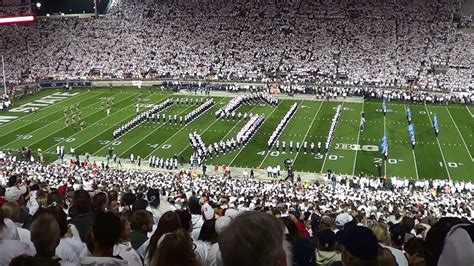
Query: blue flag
(435, 123)
(411, 132)
(408, 111)
(384, 145)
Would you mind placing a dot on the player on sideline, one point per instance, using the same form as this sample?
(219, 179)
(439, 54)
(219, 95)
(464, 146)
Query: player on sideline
(319, 147)
(312, 147)
(108, 111)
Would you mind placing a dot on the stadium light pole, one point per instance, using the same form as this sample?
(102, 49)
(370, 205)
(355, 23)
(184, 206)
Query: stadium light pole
(4, 79)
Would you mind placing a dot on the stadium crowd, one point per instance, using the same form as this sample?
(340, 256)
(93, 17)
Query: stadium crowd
(71, 215)
(387, 43)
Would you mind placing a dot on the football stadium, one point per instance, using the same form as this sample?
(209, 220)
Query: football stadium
(236, 133)
(352, 150)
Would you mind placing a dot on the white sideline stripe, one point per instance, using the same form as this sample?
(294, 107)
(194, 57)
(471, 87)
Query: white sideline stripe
(416, 165)
(153, 131)
(465, 145)
(164, 142)
(439, 145)
(266, 119)
(61, 128)
(358, 136)
(307, 131)
(472, 115)
(326, 155)
(119, 123)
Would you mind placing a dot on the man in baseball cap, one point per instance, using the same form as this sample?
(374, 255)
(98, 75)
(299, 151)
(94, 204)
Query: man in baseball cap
(359, 245)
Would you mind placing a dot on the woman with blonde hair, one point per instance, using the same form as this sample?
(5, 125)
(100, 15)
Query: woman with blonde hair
(380, 231)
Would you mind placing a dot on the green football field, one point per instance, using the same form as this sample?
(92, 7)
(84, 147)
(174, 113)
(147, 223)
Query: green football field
(351, 152)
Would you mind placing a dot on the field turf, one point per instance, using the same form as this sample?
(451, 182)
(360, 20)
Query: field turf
(352, 151)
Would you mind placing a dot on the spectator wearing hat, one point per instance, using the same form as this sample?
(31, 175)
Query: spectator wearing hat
(326, 253)
(341, 220)
(208, 235)
(360, 247)
(254, 238)
(397, 236)
(156, 206)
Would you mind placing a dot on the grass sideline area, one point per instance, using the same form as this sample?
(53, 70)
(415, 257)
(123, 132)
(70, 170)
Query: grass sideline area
(352, 152)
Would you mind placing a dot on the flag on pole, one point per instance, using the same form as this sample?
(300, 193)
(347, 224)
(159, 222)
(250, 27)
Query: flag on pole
(384, 146)
(384, 105)
(435, 124)
(411, 132)
(408, 112)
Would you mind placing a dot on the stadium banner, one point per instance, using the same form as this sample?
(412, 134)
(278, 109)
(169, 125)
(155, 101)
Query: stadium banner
(63, 84)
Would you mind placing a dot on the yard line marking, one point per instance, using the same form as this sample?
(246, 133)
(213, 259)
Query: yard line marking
(153, 131)
(164, 142)
(384, 132)
(358, 136)
(119, 123)
(266, 119)
(416, 165)
(465, 145)
(439, 145)
(307, 131)
(61, 128)
(42, 109)
(472, 115)
(334, 133)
